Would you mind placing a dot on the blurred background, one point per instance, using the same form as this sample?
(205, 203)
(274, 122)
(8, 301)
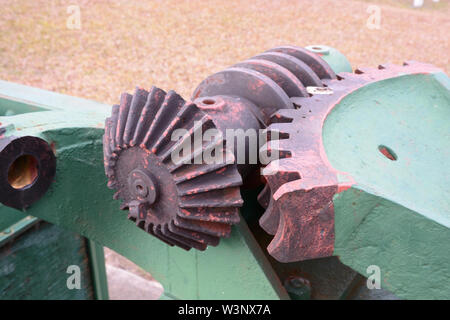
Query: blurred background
(99, 49)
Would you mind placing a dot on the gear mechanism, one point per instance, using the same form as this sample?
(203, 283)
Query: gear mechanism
(183, 203)
(192, 204)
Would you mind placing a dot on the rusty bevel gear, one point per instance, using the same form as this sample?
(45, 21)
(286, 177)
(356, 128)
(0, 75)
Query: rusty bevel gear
(184, 204)
(301, 183)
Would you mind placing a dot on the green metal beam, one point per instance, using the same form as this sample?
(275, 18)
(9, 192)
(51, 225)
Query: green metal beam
(98, 270)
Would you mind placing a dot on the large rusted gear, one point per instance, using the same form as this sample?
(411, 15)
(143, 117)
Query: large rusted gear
(301, 183)
(184, 204)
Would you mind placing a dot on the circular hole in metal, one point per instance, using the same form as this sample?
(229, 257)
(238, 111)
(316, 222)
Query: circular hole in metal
(387, 152)
(23, 172)
(209, 101)
(317, 48)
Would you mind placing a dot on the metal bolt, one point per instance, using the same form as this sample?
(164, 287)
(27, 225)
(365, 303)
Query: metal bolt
(298, 288)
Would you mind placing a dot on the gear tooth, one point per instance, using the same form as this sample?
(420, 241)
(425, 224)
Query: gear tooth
(348, 76)
(116, 195)
(211, 228)
(112, 184)
(149, 228)
(281, 116)
(187, 242)
(191, 171)
(112, 124)
(124, 206)
(157, 233)
(181, 120)
(230, 197)
(222, 215)
(170, 107)
(194, 235)
(276, 131)
(270, 219)
(196, 129)
(286, 173)
(275, 149)
(137, 103)
(226, 177)
(154, 101)
(124, 108)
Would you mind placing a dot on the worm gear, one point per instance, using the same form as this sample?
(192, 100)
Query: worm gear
(301, 183)
(183, 203)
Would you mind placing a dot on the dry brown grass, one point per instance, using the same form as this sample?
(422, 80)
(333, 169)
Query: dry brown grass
(175, 44)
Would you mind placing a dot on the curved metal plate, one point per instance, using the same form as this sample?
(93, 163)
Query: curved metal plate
(317, 64)
(282, 76)
(300, 69)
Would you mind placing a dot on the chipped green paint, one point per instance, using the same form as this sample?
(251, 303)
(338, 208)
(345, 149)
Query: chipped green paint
(397, 216)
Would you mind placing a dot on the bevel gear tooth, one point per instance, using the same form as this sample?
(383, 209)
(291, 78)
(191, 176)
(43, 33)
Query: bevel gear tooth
(183, 204)
(124, 107)
(154, 100)
(197, 236)
(221, 230)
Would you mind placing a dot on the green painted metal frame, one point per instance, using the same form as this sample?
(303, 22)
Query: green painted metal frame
(98, 270)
